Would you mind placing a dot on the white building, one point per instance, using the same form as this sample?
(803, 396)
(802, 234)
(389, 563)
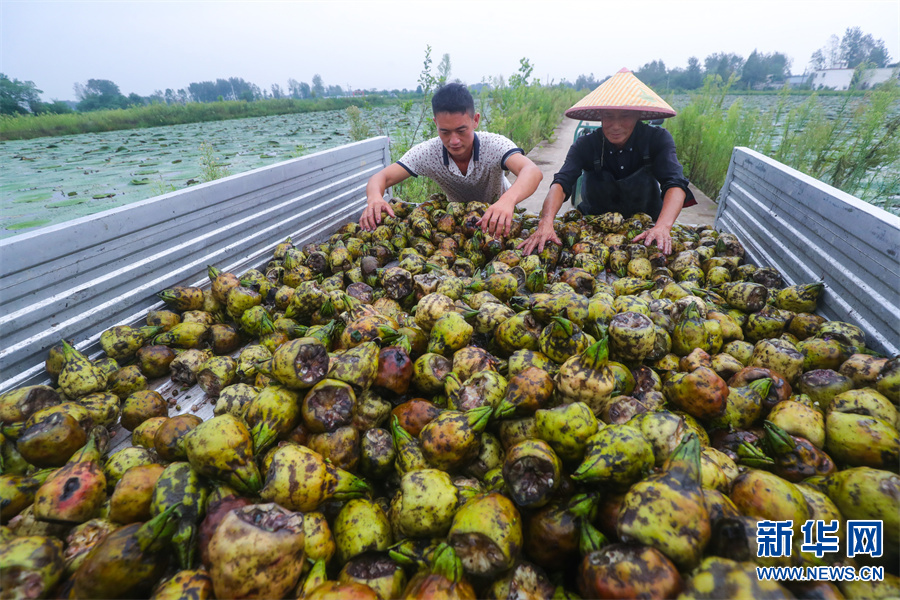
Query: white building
(839, 79)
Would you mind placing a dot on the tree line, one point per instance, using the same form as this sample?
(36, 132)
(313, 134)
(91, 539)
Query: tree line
(855, 48)
(759, 69)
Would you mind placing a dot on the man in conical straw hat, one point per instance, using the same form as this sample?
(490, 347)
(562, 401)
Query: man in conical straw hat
(629, 167)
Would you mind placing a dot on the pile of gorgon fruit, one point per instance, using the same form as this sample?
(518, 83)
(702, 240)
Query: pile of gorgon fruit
(598, 420)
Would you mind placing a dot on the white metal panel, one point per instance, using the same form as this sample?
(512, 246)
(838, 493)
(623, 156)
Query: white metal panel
(811, 231)
(79, 278)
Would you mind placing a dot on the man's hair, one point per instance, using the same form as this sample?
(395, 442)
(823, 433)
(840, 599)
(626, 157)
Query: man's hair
(453, 98)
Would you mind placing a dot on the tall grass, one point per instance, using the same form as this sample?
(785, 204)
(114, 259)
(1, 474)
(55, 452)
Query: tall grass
(526, 111)
(23, 127)
(855, 148)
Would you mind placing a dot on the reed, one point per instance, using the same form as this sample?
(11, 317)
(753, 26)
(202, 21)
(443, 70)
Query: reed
(854, 147)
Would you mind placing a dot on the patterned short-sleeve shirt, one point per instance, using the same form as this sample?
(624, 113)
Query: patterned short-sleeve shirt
(484, 180)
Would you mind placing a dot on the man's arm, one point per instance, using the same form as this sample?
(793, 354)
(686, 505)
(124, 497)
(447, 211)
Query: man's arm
(545, 232)
(498, 217)
(375, 203)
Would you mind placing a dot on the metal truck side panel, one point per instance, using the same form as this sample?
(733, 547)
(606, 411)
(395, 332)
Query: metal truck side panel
(79, 278)
(811, 231)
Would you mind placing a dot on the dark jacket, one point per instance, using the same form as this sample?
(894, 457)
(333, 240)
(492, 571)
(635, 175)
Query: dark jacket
(646, 140)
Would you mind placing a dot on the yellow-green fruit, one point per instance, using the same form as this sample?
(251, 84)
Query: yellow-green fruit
(767, 496)
(487, 535)
(863, 493)
(449, 334)
(257, 552)
(361, 526)
(667, 510)
(17, 492)
(861, 440)
(632, 336)
(19, 404)
(587, 378)
(80, 377)
(779, 356)
(319, 540)
(617, 455)
(567, 429)
(221, 449)
(103, 407)
(718, 577)
(664, 430)
(30, 566)
(119, 463)
(799, 419)
(195, 584)
(322, 481)
(425, 504)
(130, 501)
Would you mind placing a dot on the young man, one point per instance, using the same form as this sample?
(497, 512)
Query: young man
(468, 166)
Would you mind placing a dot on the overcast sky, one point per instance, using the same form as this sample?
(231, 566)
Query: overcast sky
(147, 46)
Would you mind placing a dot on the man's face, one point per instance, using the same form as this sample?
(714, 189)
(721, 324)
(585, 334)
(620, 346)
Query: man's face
(618, 125)
(457, 132)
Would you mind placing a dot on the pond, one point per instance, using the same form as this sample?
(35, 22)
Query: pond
(51, 180)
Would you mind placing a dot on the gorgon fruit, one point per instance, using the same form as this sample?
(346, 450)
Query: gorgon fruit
(667, 511)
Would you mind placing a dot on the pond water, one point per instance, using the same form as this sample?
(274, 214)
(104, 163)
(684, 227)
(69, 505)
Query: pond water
(51, 180)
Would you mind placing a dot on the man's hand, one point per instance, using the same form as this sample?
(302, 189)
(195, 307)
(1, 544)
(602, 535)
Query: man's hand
(371, 217)
(541, 236)
(659, 234)
(498, 218)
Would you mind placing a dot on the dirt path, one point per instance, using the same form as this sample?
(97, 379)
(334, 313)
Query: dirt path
(550, 156)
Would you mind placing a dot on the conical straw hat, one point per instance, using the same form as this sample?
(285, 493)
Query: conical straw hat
(622, 91)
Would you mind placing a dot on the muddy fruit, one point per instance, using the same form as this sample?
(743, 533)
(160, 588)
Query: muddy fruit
(126, 562)
(221, 449)
(30, 566)
(627, 571)
(142, 405)
(257, 552)
(487, 535)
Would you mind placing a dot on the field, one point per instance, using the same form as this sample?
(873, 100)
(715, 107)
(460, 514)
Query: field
(50, 180)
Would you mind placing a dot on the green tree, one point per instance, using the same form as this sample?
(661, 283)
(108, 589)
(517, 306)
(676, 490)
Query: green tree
(690, 78)
(754, 71)
(318, 88)
(586, 82)
(19, 97)
(858, 47)
(654, 74)
(723, 64)
(99, 94)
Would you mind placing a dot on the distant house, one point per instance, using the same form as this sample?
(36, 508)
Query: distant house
(839, 79)
(796, 81)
